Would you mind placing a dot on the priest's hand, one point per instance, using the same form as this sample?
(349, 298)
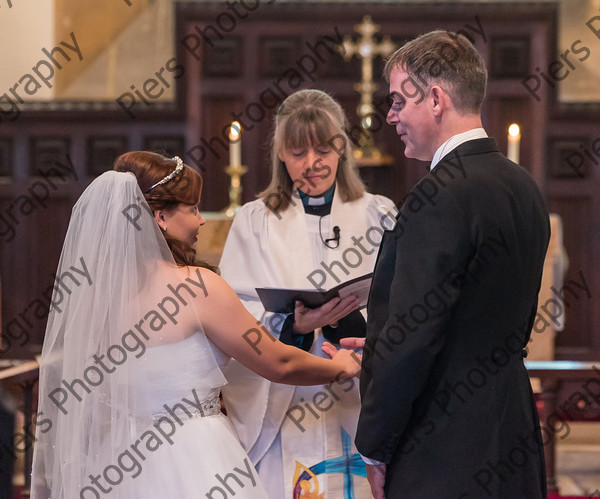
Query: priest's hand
(352, 342)
(307, 320)
(376, 477)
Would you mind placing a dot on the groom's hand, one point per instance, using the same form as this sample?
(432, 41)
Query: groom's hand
(376, 477)
(352, 342)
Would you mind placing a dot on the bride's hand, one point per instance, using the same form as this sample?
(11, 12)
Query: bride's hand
(348, 360)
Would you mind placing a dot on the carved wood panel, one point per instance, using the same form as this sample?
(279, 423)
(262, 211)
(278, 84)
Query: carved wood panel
(245, 71)
(514, 43)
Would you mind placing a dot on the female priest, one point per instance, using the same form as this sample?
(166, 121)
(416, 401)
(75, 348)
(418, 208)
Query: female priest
(314, 226)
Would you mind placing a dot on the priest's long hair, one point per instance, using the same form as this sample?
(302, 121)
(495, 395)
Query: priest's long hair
(310, 118)
(186, 187)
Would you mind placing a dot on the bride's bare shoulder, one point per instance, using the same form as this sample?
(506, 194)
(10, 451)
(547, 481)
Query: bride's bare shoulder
(209, 281)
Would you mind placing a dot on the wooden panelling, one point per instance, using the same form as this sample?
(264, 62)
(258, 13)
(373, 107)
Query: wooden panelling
(223, 60)
(170, 145)
(573, 191)
(102, 151)
(576, 212)
(6, 157)
(243, 71)
(212, 148)
(572, 157)
(29, 259)
(46, 152)
(35, 208)
(509, 57)
(275, 54)
(503, 110)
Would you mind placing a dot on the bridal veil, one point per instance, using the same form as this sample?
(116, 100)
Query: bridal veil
(131, 298)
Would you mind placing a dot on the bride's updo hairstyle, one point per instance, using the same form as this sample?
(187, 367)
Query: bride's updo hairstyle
(150, 168)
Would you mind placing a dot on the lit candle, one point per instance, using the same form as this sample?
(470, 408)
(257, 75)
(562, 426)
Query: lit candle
(514, 142)
(235, 144)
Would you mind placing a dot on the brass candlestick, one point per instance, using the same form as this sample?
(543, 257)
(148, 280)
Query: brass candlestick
(235, 188)
(366, 48)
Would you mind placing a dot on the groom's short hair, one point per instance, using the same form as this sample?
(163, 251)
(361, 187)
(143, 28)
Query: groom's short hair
(446, 59)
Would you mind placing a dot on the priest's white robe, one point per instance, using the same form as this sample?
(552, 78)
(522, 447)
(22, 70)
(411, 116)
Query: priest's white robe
(287, 430)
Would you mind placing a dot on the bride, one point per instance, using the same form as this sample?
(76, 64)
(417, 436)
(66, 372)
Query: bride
(130, 371)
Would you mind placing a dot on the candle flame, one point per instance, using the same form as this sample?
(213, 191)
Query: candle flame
(235, 131)
(514, 130)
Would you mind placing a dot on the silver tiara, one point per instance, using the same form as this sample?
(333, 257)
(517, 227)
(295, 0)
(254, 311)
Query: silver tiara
(178, 169)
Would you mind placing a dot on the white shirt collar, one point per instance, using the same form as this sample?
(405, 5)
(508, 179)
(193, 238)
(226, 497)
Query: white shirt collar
(456, 140)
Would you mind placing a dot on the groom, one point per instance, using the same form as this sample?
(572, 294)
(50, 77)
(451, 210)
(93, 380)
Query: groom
(447, 409)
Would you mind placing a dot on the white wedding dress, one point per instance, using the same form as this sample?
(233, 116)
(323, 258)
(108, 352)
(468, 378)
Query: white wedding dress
(129, 384)
(206, 454)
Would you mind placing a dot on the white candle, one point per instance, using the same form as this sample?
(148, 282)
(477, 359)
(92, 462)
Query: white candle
(235, 144)
(514, 142)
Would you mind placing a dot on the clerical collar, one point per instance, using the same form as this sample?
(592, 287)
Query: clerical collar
(321, 199)
(454, 141)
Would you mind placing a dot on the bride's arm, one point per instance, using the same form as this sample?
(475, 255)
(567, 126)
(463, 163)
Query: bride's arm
(235, 331)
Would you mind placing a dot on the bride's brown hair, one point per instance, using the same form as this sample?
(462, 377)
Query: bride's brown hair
(150, 168)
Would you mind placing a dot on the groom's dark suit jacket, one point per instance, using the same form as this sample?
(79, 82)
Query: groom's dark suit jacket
(446, 399)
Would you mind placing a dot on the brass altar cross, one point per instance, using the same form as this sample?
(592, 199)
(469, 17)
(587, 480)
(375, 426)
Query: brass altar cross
(367, 48)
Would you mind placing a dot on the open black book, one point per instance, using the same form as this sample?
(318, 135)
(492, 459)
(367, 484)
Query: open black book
(281, 300)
